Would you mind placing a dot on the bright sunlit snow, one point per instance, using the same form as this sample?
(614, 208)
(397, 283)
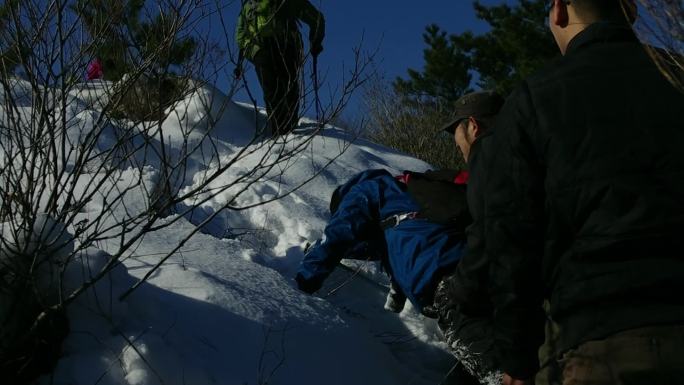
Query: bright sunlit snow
(224, 309)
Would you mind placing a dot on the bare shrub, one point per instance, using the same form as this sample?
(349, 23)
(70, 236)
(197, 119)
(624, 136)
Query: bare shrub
(660, 24)
(410, 127)
(107, 162)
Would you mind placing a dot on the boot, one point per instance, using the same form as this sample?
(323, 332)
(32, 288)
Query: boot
(395, 299)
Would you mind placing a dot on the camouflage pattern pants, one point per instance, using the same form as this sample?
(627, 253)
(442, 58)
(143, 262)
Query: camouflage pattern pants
(651, 355)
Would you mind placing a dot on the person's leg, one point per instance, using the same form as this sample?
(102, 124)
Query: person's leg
(651, 355)
(278, 67)
(268, 79)
(395, 298)
(287, 110)
(549, 371)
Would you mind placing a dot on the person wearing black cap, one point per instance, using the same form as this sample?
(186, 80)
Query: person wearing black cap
(584, 208)
(461, 298)
(473, 114)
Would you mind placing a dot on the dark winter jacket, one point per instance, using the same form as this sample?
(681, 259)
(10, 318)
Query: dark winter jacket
(585, 198)
(462, 299)
(418, 251)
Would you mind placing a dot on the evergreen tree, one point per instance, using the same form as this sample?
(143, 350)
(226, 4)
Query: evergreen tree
(446, 75)
(10, 51)
(155, 35)
(128, 38)
(122, 40)
(108, 23)
(517, 44)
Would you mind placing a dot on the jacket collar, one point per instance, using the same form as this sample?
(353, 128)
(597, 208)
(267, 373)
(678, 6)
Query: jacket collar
(601, 31)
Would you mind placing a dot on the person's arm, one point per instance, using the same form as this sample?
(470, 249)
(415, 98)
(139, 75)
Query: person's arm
(467, 287)
(514, 233)
(355, 220)
(240, 38)
(462, 298)
(316, 22)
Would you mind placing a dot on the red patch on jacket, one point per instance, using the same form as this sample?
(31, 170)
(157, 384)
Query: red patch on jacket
(461, 178)
(403, 178)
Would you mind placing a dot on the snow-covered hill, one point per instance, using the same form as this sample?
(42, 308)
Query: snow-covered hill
(224, 309)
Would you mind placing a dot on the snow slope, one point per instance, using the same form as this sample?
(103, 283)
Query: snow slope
(225, 309)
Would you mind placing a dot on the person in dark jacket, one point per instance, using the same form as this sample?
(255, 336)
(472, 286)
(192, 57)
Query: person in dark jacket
(418, 249)
(268, 36)
(462, 297)
(583, 186)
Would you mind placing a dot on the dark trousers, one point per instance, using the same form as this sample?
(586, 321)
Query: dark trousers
(651, 355)
(278, 65)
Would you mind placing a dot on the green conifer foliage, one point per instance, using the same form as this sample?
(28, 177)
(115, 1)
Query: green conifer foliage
(408, 117)
(10, 52)
(446, 74)
(124, 38)
(517, 44)
(129, 38)
(111, 24)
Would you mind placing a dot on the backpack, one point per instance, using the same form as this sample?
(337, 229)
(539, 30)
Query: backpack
(442, 199)
(440, 195)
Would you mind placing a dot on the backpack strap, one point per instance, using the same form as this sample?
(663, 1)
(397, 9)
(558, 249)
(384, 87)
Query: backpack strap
(396, 219)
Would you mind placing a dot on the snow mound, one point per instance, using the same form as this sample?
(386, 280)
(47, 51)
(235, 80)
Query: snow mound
(48, 241)
(223, 308)
(208, 111)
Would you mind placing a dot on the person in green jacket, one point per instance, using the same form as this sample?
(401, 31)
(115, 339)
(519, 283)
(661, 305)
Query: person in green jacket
(268, 36)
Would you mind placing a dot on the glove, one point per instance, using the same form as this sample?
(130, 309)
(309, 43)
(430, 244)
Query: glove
(316, 49)
(456, 292)
(443, 300)
(237, 73)
(430, 311)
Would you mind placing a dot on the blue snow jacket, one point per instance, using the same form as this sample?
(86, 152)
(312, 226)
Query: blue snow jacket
(417, 252)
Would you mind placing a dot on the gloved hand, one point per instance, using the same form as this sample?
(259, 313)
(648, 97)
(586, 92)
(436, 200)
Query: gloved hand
(457, 292)
(430, 311)
(443, 300)
(237, 72)
(316, 49)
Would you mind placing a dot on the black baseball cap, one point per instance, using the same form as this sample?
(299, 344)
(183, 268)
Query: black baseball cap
(481, 105)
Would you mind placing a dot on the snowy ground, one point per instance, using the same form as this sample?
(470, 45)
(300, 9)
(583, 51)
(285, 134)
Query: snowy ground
(225, 309)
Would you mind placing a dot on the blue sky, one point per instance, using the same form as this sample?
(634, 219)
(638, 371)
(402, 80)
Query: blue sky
(393, 27)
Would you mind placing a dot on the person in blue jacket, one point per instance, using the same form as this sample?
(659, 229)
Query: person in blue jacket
(378, 216)
(416, 225)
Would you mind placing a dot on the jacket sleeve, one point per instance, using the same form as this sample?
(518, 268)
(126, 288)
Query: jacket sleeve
(355, 221)
(307, 13)
(514, 231)
(242, 37)
(470, 281)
